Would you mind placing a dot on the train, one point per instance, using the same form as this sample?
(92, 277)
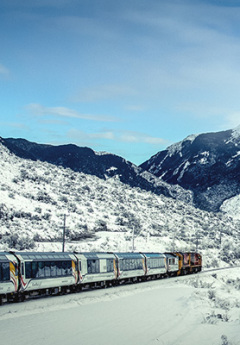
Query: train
(26, 274)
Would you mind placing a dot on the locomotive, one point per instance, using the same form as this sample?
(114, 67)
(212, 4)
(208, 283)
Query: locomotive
(23, 274)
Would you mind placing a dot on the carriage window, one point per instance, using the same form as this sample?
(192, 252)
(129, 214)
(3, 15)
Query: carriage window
(47, 269)
(93, 266)
(59, 268)
(40, 272)
(69, 267)
(110, 265)
(28, 269)
(131, 264)
(34, 269)
(4, 271)
(53, 269)
(156, 263)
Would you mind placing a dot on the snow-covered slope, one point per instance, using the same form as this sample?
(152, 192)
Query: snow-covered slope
(207, 164)
(101, 214)
(200, 309)
(102, 165)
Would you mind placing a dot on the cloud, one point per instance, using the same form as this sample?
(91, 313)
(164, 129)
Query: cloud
(3, 70)
(103, 92)
(232, 120)
(40, 110)
(118, 136)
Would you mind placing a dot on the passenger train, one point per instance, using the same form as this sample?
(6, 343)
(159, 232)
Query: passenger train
(23, 274)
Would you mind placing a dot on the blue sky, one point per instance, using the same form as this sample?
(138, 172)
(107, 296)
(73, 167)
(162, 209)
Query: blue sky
(129, 77)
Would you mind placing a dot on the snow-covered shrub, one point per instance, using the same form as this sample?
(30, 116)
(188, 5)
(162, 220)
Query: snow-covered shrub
(19, 242)
(225, 340)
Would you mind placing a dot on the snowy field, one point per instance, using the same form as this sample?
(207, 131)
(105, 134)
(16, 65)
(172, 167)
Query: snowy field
(198, 309)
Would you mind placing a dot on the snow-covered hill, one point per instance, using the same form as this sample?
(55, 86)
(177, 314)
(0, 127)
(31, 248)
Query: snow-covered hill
(102, 214)
(207, 164)
(102, 165)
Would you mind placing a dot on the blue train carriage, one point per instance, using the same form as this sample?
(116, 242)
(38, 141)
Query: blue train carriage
(96, 269)
(9, 282)
(47, 272)
(130, 266)
(156, 265)
(172, 264)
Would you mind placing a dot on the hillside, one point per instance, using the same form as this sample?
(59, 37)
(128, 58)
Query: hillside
(101, 214)
(206, 164)
(100, 164)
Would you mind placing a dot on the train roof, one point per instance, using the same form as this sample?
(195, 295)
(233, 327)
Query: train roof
(95, 255)
(3, 256)
(154, 255)
(44, 255)
(170, 255)
(129, 255)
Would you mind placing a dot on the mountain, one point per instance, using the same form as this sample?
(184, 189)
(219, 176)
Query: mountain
(207, 164)
(102, 165)
(102, 215)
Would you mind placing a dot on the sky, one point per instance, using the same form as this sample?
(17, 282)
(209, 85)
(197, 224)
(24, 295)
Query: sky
(129, 77)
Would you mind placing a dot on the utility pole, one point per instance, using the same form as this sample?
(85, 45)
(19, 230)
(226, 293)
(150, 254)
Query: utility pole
(64, 231)
(133, 240)
(197, 243)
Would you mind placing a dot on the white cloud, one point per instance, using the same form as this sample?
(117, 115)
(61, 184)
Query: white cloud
(3, 70)
(232, 120)
(103, 92)
(119, 136)
(38, 109)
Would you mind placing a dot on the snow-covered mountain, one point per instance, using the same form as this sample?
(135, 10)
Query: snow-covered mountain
(102, 165)
(207, 164)
(101, 214)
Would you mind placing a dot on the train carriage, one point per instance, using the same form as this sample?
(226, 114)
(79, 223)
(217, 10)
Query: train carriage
(130, 266)
(96, 268)
(47, 271)
(195, 262)
(189, 262)
(9, 281)
(156, 264)
(172, 264)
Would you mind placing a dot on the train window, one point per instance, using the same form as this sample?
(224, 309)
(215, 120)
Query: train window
(53, 269)
(41, 270)
(93, 266)
(47, 269)
(22, 269)
(59, 268)
(155, 263)
(28, 270)
(110, 265)
(69, 267)
(4, 271)
(34, 269)
(130, 264)
(65, 268)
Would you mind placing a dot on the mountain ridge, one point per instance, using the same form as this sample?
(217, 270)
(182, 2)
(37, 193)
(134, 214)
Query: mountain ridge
(208, 164)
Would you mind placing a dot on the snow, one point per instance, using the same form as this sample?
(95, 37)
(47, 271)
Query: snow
(101, 216)
(177, 147)
(199, 309)
(232, 207)
(235, 135)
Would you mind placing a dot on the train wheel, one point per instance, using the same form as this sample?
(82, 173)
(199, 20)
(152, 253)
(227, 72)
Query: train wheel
(22, 297)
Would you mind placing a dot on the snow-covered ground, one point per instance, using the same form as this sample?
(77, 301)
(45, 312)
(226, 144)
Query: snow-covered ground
(202, 309)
